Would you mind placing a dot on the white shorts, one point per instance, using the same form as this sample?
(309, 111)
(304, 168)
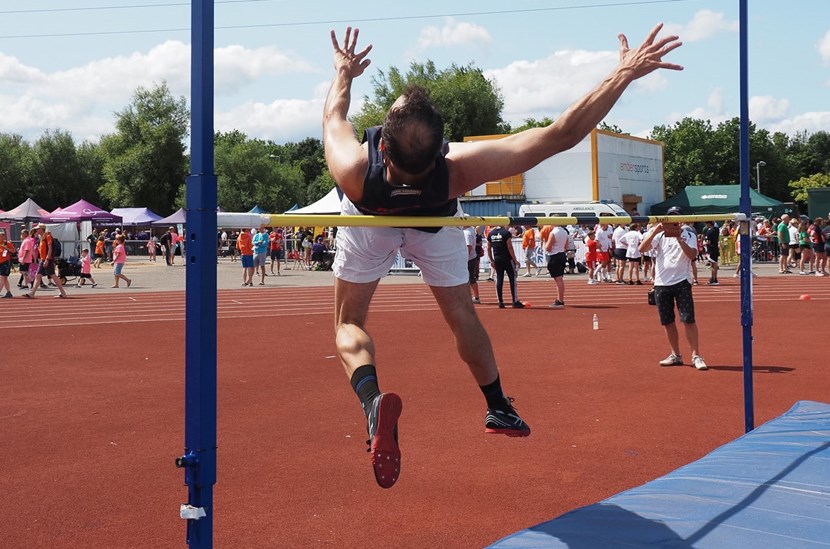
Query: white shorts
(365, 254)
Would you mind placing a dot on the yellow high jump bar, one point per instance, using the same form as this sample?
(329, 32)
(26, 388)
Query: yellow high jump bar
(311, 220)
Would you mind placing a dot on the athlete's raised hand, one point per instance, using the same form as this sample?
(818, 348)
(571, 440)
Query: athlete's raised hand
(345, 58)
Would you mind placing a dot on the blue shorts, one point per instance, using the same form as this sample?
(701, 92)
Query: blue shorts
(117, 268)
(247, 262)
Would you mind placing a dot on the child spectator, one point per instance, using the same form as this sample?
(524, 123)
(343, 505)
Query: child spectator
(591, 257)
(151, 248)
(119, 258)
(86, 269)
(99, 252)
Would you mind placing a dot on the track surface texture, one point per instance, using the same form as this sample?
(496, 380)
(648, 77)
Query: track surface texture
(92, 411)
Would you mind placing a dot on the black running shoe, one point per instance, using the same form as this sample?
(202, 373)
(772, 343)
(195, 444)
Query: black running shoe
(382, 425)
(505, 421)
(518, 305)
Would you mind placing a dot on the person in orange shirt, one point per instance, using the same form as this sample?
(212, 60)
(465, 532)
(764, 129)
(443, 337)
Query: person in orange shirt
(245, 245)
(529, 250)
(99, 252)
(6, 251)
(47, 263)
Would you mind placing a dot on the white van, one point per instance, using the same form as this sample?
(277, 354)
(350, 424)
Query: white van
(586, 209)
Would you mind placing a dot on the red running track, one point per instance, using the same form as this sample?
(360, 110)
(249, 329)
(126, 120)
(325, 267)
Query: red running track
(92, 412)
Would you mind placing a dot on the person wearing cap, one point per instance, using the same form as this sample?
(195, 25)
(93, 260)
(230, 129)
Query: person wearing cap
(673, 251)
(47, 263)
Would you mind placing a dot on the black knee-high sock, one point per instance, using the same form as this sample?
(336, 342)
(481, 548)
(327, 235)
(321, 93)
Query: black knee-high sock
(494, 395)
(365, 384)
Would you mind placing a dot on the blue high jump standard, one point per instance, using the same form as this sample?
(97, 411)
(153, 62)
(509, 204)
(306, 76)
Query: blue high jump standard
(768, 489)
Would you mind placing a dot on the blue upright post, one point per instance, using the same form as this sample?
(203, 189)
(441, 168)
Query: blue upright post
(199, 459)
(745, 236)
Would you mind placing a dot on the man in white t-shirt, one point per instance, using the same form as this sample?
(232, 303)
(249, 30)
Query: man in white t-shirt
(620, 249)
(555, 250)
(673, 251)
(604, 234)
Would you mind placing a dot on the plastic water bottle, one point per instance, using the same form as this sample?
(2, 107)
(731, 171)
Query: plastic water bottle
(596, 322)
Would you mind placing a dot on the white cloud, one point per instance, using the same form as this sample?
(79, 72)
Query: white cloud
(82, 99)
(454, 33)
(824, 47)
(765, 108)
(545, 87)
(281, 120)
(705, 24)
(811, 122)
(713, 110)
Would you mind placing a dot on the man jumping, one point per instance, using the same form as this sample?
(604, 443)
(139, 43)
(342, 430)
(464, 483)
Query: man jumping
(405, 167)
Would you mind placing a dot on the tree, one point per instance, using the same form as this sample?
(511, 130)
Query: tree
(532, 123)
(799, 188)
(469, 103)
(145, 162)
(687, 153)
(54, 171)
(249, 173)
(15, 161)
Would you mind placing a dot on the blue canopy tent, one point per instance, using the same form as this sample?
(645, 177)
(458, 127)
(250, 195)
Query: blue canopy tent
(140, 217)
(257, 210)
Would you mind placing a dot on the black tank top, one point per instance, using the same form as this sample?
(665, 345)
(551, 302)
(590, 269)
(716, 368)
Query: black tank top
(431, 198)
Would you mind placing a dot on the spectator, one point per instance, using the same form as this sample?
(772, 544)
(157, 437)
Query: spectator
(503, 259)
(473, 260)
(244, 243)
(86, 269)
(795, 249)
(806, 248)
(277, 243)
(555, 246)
(26, 256)
(604, 238)
(320, 254)
(783, 234)
(47, 263)
(673, 252)
(166, 242)
(711, 240)
(7, 249)
(648, 264)
(686, 226)
(591, 246)
(529, 250)
(151, 248)
(620, 248)
(119, 259)
(632, 253)
(100, 252)
(816, 232)
(260, 243)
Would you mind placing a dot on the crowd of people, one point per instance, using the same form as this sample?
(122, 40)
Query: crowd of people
(610, 253)
(275, 249)
(41, 267)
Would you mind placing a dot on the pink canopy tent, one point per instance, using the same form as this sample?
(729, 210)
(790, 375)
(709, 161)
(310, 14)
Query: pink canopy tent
(82, 211)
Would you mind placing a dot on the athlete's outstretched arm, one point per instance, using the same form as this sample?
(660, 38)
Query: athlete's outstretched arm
(346, 158)
(477, 162)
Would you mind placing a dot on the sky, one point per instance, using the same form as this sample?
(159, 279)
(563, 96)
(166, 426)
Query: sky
(71, 65)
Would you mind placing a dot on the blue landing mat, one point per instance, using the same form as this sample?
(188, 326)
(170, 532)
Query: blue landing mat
(768, 489)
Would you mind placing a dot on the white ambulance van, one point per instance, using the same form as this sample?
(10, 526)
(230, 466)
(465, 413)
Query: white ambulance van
(597, 209)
